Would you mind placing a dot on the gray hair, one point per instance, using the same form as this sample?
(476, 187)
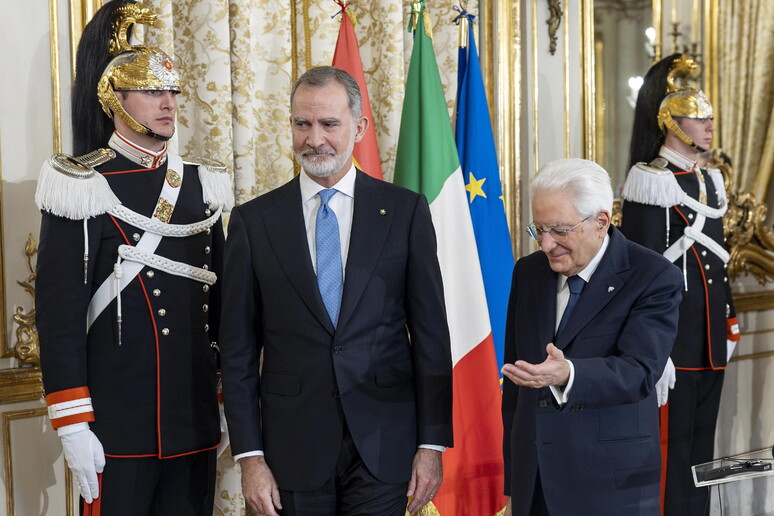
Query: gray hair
(320, 76)
(587, 183)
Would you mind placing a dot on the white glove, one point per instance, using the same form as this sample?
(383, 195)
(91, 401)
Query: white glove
(730, 347)
(224, 440)
(85, 456)
(666, 382)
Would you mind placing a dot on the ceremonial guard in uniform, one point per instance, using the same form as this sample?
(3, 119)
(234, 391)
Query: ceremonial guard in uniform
(127, 298)
(676, 207)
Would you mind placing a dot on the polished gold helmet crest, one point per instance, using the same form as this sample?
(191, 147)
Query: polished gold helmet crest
(684, 70)
(135, 68)
(690, 103)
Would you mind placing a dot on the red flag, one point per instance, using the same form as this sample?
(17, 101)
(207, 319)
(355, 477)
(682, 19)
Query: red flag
(347, 57)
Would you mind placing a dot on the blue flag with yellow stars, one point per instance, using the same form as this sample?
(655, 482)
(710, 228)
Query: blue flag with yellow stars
(478, 159)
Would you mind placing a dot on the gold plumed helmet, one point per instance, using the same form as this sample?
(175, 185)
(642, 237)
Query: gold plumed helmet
(688, 102)
(134, 68)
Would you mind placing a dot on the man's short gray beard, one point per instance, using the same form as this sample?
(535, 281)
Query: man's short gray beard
(323, 168)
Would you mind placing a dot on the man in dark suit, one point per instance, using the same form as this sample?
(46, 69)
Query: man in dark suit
(333, 278)
(591, 321)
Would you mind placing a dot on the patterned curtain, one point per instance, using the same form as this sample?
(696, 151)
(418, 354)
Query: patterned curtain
(238, 60)
(746, 104)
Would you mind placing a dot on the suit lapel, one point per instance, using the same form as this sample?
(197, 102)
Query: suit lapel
(545, 303)
(287, 235)
(600, 291)
(371, 221)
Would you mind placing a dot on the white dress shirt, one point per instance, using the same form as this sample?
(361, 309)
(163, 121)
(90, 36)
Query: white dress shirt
(562, 298)
(342, 205)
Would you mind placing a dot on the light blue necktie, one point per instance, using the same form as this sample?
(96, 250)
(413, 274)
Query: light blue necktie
(575, 284)
(328, 255)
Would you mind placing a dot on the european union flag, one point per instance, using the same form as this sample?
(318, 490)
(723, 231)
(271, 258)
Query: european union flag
(478, 159)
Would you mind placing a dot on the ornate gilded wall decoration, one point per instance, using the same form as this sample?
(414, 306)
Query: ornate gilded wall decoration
(27, 349)
(749, 240)
(554, 20)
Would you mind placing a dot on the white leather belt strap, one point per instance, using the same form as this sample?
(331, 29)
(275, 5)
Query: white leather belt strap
(707, 242)
(693, 233)
(685, 242)
(134, 254)
(113, 285)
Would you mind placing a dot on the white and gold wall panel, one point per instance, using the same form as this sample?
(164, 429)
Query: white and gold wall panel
(745, 422)
(34, 93)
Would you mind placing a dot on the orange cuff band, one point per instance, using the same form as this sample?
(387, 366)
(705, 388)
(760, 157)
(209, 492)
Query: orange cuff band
(732, 329)
(70, 406)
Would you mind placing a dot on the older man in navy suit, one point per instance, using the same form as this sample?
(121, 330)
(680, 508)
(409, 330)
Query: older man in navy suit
(334, 278)
(591, 322)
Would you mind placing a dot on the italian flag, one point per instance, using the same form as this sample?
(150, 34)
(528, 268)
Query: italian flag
(427, 163)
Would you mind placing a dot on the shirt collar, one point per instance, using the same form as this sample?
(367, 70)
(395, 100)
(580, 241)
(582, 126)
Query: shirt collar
(140, 155)
(677, 159)
(590, 268)
(310, 188)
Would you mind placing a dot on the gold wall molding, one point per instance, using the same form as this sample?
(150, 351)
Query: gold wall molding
(588, 85)
(56, 104)
(20, 384)
(749, 239)
(753, 356)
(711, 57)
(8, 418)
(754, 301)
(756, 332)
(566, 71)
(24, 383)
(506, 43)
(27, 348)
(535, 91)
(553, 22)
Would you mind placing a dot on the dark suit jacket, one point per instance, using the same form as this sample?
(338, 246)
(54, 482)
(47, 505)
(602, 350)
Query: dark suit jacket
(393, 393)
(599, 453)
(155, 394)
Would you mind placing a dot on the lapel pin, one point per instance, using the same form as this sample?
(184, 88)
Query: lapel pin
(610, 289)
(382, 211)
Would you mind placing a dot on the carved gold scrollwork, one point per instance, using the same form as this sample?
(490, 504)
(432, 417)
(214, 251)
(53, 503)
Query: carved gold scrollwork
(749, 240)
(554, 20)
(617, 216)
(27, 349)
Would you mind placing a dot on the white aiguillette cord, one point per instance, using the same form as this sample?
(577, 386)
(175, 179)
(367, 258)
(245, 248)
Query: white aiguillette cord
(124, 274)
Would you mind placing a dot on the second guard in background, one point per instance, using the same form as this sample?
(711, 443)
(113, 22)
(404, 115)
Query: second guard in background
(674, 205)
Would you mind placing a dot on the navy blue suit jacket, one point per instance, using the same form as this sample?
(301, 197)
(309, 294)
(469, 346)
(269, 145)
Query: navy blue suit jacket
(598, 453)
(392, 392)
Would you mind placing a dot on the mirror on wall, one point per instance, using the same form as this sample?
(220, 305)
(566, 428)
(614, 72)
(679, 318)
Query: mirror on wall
(624, 49)
(629, 36)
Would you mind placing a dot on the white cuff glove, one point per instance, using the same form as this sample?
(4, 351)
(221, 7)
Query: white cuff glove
(730, 347)
(666, 382)
(224, 440)
(85, 456)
